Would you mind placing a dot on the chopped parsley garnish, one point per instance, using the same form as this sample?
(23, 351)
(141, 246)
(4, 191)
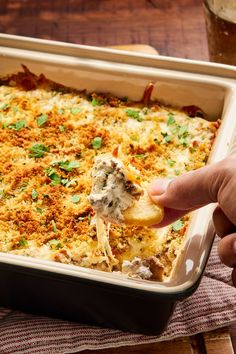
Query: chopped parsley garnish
(55, 177)
(75, 110)
(67, 183)
(39, 210)
(75, 198)
(171, 119)
(38, 150)
(171, 163)
(54, 226)
(134, 114)
(34, 194)
(94, 102)
(68, 165)
(55, 243)
(182, 134)
(166, 138)
(15, 109)
(49, 171)
(61, 128)
(183, 131)
(42, 119)
(97, 142)
(183, 141)
(177, 225)
(18, 125)
(23, 242)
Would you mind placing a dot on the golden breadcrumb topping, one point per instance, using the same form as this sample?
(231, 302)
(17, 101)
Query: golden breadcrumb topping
(49, 137)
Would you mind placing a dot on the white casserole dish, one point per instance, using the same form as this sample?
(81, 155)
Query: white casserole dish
(178, 82)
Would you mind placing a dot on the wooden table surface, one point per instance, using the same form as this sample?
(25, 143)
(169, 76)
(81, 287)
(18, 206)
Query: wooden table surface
(174, 28)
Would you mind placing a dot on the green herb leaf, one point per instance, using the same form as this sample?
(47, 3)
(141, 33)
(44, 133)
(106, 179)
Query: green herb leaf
(171, 119)
(68, 165)
(75, 198)
(39, 210)
(18, 125)
(49, 170)
(54, 226)
(166, 138)
(34, 194)
(56, 179)
(61, 128)
(177, 225)
(38, 150)
(55, 244)
(183, 141)
(23, 242)
(134, 114)
(15, 109)
(75, 110)
(94, 102)
(183, 131)
(97, 142)
(65, 181)
(42, 119)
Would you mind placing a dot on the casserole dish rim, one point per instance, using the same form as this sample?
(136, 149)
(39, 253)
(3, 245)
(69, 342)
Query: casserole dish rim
(157, 287)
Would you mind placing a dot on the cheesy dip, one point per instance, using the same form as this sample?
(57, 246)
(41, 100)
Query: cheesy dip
(49, 138)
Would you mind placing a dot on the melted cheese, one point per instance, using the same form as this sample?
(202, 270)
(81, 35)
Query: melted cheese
(44, 209)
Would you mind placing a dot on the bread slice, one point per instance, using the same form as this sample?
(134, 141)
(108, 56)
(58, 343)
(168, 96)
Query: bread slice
(143, 212)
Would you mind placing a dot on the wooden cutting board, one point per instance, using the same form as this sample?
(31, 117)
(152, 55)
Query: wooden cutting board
(213, 342)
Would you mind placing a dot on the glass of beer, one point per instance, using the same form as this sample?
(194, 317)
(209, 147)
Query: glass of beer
(220, 18)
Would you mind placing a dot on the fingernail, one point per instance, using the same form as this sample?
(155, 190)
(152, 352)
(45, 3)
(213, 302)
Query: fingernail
(159, 186)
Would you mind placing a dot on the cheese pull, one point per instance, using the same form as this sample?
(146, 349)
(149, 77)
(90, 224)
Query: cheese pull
(143, 212)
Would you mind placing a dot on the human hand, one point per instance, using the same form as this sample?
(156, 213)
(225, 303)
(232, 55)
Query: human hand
(209, 184)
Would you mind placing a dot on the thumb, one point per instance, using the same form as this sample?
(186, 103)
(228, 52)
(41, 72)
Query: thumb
(191, 190)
